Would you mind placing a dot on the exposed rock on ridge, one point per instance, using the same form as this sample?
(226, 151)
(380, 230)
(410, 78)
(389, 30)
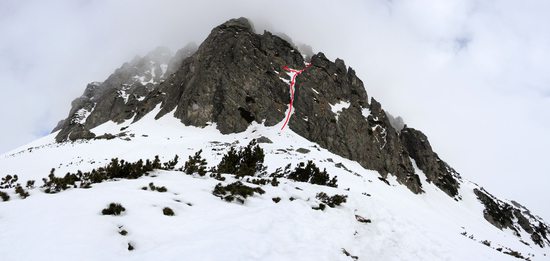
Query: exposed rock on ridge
(436, 170)
(360, 131)
(503, 215)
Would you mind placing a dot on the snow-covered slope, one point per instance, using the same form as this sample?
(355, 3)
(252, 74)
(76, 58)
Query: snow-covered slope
(69, 225)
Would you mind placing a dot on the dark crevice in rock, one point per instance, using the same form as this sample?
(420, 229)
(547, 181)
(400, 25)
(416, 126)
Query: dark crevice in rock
(247, 116)
(249, 99)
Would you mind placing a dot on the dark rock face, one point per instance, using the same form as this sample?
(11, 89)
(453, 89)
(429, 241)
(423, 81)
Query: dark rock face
(503, 215)
(232, 80)
(360, 131)
(264, 139)
(500, 215)
(436, 170)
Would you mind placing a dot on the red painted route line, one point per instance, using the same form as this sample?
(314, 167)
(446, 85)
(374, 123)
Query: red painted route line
(292, 84)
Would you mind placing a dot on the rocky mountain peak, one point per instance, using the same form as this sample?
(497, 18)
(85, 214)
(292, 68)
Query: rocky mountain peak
(241, 23)
(237, 77)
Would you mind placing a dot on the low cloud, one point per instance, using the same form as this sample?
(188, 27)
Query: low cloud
(396, 122)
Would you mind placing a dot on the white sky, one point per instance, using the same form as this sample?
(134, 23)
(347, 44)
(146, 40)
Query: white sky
(473, 75)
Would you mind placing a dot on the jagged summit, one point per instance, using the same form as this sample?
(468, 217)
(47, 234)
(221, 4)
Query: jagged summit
(235, 79)
(240, 22)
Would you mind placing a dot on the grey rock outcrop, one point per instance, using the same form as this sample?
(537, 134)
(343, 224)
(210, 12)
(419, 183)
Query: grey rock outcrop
(129, 92)
(436, 170)
(365, 137)
(504, 215)
(232, 80)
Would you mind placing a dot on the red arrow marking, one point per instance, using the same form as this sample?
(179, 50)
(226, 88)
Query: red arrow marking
(295, 73)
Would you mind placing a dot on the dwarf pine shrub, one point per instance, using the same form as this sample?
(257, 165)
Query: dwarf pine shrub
(333, 201)
(246, 161)
(171, 164)
(235, 191)
(155, 188)
(8, 181)
(116, 169)
(195, 164)
(21, 191)
(4, 196)
(114, 209)
(30, 184)
(310, 173)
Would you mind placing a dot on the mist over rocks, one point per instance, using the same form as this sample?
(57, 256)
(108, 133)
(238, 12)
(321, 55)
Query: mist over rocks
(396, 122)
(234, 78)
(126, 93)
